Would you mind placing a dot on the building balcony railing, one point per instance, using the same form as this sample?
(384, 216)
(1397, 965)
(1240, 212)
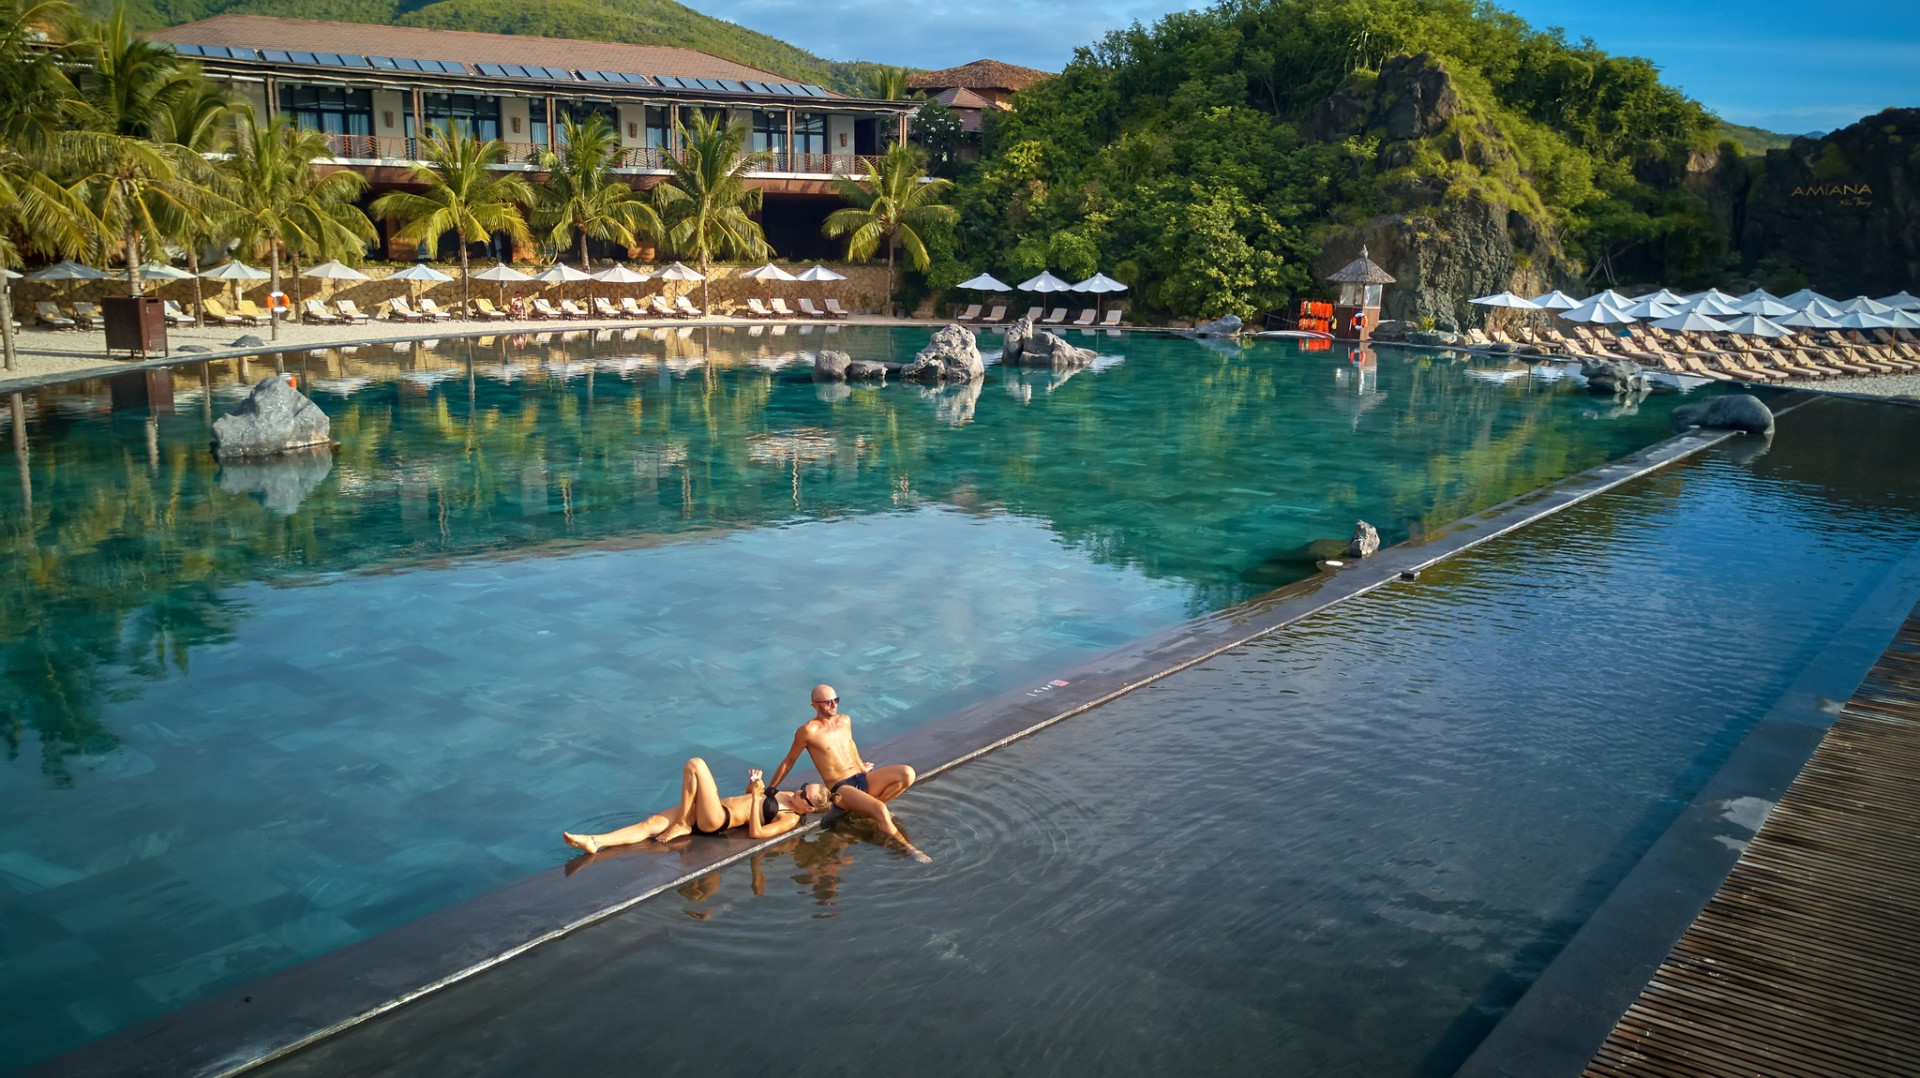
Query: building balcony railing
(402, 151)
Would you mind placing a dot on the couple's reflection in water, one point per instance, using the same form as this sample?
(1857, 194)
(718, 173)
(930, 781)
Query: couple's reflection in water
(814, 862)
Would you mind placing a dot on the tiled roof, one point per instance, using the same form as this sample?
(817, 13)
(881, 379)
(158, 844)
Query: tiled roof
(979, 75)
(969, 105)
(266, 32)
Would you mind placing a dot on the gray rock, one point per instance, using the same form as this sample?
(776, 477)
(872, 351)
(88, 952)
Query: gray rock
(274, 418)
(865, 370)
(1227, 325)
(282, 482)
(952, 356)
(1433, 338)
(1393, 329)
(1612, 377)
(1018, 334)
(831, 366)
(247, 340)
(1735, 411)
(190, 348)
(1045, 350)
(1364, 542)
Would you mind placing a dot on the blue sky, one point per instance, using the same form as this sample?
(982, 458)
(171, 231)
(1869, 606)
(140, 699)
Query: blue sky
(1789, 67)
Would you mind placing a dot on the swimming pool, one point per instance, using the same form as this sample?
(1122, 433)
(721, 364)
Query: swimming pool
(259, 714)
(1346, 848)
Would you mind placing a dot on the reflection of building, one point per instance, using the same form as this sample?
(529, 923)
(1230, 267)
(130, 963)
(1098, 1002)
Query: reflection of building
(374, 89)
(975, 90)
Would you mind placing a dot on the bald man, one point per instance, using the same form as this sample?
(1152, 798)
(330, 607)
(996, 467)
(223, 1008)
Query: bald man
(856, 785)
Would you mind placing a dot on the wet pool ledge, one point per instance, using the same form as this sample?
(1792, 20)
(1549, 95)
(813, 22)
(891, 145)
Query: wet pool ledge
(285, 1011)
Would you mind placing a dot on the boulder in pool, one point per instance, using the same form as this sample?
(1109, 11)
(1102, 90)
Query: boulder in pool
(1735, 411)
(952, 356)
(1227, 325)
(273, 419)
(829, 366)
(1365, 541)
(866, 370)
(1043, 350)
(1612, 377)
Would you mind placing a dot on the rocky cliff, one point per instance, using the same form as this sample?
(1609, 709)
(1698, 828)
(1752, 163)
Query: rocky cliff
(1841, 210)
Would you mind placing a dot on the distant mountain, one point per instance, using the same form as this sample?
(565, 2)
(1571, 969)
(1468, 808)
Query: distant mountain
(639, 22)
(1754, 140)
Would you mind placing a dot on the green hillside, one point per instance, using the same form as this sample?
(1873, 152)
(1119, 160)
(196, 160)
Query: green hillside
(640, 22)
(1754, 140)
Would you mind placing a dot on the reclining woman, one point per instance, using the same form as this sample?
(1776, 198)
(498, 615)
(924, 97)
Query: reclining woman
(703, 811)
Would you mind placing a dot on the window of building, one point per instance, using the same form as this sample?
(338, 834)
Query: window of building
(770, 131)
(810, 132)
(480, 116)
(659, 126)
(569, 108)
(332, 109)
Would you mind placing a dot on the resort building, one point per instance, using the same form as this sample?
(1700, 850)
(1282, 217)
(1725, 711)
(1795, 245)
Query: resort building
(373, 90)
(975, 91)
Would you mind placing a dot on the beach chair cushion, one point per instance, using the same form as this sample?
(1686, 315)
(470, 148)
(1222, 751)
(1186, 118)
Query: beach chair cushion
(49, 314)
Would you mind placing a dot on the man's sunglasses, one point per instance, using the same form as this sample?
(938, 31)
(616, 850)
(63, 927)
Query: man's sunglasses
(823, 703)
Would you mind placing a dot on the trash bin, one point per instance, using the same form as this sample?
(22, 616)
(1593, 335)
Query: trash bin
(135, 324)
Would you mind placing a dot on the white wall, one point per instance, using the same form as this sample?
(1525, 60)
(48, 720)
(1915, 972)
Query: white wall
(634, 114)
(513, 107)
(385, 103)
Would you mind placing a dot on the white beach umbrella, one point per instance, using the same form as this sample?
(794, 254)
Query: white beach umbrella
(13, 276)
(1507, 300)
(1045, 283)
(1663, 297)
(1759, 293)
(420, 271)
(1863, 320)
(1800, 300)
(1690, 322)
(1099, 283)
(818, 272)
(1597, 309)
(1649, 308)
(1904, 301)
(235, 270)
(1555, 300)
(986, 282)
(68, 271)
(1754, 325)
(678, 272)
(503, 273)
(1821, 305)
(620, 274)
(1864, 306)
(1763, 305)
(334, 270)
(1711, 303)
(1809, 319)
(1902, 319)
(159, 271)
(768, 272)
(1611, 298)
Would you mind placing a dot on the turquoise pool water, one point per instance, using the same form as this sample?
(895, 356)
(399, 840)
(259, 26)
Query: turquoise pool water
(254, 715)
(1344, 849)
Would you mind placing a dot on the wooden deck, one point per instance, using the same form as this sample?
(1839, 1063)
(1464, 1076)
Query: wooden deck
(1807, 961)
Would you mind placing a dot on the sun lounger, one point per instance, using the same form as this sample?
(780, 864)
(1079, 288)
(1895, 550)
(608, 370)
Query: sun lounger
(250, 312)
(212, 309)
(995, 316)
(573, 310)
(1033, 313)
(1058, 316)
(662, 307)
(757, 309)
(350, 311)
(47, 314)
(1113, 317)
(87, 314)
(630, 306)
(541, 308)
(835, 310)
(176, 316)
(484, 308)
(318, 315)
(780, 309)
(434, 311)
(398, 311)
(1086, 317)
(971, 314)
(604, 307)
(809, 310)
(686, 308)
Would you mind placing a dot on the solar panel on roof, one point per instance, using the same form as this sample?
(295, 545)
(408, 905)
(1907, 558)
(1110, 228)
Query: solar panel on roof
(593, 76)
(406, 64)
(731, 86)
(353, 61)
(301, 57)
(491, 70)
(186, 50)
(327, 59)
(667, 81)
(637, 80)
(713, 84)
(815, 91)
(384, 63)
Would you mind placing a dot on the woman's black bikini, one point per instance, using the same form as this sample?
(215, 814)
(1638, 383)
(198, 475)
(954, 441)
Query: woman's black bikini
(769, 810)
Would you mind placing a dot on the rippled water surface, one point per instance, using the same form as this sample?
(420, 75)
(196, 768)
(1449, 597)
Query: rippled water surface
(253, 714)
(1344, 849)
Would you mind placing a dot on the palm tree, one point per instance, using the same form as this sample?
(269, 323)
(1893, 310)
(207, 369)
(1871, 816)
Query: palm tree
(139, 190)
(283, 203)
(200, 121)
(894, 201)
(706, 204)
(463, 196)
(582, 197)
(37, 103)
(887, 83)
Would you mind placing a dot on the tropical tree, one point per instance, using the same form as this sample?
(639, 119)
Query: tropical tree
(887, 83)
(582, 197)
(283, 204)
(706, 206)
(37, 103)
(200, 121)
(463, 195)
(894, 202)
(140, 191)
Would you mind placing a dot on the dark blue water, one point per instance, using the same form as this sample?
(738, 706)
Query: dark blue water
(1344, 849)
